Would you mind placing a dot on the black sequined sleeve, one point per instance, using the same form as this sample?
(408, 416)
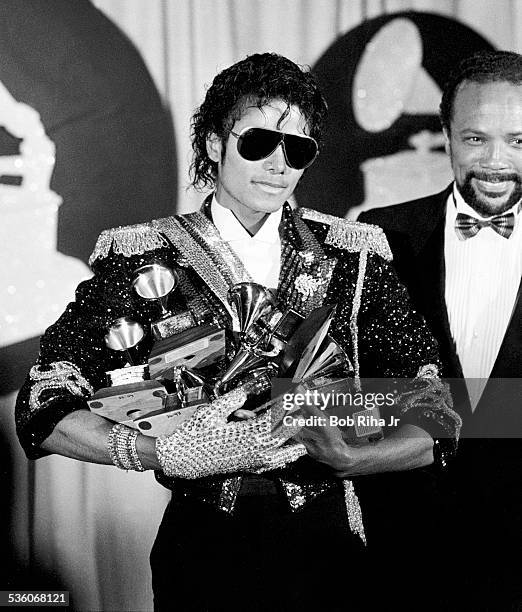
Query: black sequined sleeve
(392, 340)
(73, 358)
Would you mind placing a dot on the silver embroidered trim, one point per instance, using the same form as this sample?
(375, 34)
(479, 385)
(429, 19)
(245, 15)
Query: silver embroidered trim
(429, 370)
(353, 510)
(58, 375)
(229, 493)
(431, 398)
(200, 260)
(210, 236)
(354, 329)
(295, 494)
(127, 241)
(307, 257)
(351, 235)
(307, 285)
(299, 494)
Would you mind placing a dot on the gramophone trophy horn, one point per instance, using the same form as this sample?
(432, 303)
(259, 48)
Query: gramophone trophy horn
(251, 302)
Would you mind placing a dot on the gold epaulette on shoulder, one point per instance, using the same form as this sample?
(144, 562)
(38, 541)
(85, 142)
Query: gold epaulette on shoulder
(351, 235)
(128, 240)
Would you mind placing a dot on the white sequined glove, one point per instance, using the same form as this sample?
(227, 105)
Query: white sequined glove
(208, 444)
(279, 457)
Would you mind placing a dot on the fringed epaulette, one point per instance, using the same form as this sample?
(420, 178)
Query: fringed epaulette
(350, 235)
(128, 240)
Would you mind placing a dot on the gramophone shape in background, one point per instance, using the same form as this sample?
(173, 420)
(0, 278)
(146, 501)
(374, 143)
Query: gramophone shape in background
(36, 280)
(179, 340)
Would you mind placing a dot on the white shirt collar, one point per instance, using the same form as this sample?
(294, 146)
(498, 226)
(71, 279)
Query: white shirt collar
(230, 228)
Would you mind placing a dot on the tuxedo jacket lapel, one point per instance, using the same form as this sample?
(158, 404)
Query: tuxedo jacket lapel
(432, 271)
(431, 268)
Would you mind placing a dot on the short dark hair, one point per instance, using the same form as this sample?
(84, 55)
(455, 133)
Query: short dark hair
(481, 67)
(257, 80)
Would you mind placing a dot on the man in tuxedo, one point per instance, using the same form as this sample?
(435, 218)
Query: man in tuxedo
(459, 253)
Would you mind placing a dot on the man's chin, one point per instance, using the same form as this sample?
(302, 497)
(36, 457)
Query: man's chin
(488, 206)
(491, 201)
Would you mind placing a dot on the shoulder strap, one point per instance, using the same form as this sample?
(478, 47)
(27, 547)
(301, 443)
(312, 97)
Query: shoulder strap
(128, 240)
(350, 235)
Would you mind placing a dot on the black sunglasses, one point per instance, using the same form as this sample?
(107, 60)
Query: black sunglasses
(255, 143)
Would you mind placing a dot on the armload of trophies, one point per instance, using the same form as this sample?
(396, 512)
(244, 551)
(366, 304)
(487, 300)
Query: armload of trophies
(274, 352)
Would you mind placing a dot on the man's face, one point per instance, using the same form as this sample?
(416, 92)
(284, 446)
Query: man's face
(260, 186)
(485, 145)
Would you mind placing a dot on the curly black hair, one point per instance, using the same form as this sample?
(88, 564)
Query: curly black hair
(481, 67)
(256, 80)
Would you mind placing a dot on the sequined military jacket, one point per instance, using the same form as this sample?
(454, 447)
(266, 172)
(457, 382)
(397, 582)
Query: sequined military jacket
(323, 260)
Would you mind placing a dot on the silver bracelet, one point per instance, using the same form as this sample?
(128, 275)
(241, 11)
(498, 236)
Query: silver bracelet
(122, 448)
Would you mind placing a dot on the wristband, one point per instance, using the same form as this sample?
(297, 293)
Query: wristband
(122, 448)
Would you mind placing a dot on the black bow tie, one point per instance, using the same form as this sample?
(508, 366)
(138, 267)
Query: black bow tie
(467, 227)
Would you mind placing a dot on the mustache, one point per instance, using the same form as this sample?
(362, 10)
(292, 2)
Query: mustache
(493, 177)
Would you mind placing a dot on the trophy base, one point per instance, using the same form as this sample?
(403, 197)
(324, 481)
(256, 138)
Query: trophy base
(197, 347)
(165, 422)
(128, 402)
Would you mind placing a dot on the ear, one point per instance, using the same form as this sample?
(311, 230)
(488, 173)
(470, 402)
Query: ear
(214, 147)
(447, 145)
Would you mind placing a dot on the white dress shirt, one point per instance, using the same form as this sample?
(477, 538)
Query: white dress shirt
(260, 254)
(482, 280)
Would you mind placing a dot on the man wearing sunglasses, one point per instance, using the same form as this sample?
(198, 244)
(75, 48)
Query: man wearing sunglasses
(232, 538)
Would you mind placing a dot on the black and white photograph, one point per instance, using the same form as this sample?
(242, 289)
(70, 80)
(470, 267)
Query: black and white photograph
(260, 315)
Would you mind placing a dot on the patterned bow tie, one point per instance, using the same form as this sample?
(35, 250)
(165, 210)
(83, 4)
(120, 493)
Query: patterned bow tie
(467, 227)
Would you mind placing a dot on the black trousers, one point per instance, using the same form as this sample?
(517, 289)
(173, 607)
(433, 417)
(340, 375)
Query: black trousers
(487, 482)
(262, 557)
